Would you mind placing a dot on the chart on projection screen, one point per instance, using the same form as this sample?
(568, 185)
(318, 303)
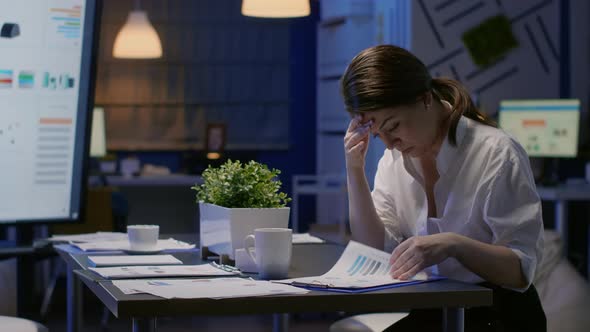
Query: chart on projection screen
(545, 128)
(40, 65)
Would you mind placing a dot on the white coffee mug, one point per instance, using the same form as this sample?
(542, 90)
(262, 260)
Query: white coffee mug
(143, 237)
(272, 251)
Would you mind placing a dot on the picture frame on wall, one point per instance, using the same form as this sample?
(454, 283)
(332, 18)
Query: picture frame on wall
(215, 140)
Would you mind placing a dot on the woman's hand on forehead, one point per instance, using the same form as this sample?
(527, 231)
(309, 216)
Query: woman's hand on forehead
(364, 119)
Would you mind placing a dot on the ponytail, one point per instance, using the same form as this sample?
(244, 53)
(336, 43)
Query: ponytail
(453, 92)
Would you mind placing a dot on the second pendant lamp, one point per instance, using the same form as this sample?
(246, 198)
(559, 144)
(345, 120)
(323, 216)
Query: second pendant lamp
(275, 8)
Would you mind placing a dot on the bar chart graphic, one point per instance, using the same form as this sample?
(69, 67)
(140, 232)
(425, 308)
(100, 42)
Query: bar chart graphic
(5, 78)
(66, 21)
(26, 79)
(367, 266)
(53, 150)
(53, 81)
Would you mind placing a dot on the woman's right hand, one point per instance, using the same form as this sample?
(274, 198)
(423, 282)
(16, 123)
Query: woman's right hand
(356, 143)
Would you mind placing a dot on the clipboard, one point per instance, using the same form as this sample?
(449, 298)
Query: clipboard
(356, 290)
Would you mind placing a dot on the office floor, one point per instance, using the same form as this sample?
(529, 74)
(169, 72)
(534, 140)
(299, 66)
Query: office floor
(93, 310)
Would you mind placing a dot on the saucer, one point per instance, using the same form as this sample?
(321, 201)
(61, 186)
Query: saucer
(142, 252)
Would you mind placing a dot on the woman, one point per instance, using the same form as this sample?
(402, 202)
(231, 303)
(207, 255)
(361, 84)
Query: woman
(452, 193)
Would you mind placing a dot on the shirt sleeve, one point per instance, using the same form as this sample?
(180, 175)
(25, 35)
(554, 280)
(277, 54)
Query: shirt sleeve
(385, 207)
(513, 212)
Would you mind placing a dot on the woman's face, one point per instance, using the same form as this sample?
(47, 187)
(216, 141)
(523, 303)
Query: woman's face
(410, 129)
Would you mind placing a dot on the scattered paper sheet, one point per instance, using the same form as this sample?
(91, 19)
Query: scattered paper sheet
(122, 272)
(124, 245)
(126, 260)
(205, 288)
(306, 238)
(89, 237)
(360, 266)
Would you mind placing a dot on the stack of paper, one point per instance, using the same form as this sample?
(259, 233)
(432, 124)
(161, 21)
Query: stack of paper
(126, 260)
(306, 238)
(360, 268)
(90, 237)
(205, 288)
(104, 241)
(124, 245)
(203, 270)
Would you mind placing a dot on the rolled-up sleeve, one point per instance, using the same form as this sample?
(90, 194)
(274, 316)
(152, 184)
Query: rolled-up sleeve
(513, 212)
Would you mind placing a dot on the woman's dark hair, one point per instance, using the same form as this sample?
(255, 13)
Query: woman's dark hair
(388, 76)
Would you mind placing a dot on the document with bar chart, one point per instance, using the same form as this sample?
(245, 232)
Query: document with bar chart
(360, 268)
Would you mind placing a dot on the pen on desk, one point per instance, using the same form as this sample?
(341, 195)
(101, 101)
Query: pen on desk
(224, 267)
(229, 267)
(315, 284)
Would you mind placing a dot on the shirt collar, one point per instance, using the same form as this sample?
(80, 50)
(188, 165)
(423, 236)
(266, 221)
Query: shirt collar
(445, 157)
(448, 152)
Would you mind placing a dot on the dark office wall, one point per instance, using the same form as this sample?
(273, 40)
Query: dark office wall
(265, 91)
(218, 66)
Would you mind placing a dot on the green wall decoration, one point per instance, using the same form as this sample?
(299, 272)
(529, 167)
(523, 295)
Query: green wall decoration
(490, 40)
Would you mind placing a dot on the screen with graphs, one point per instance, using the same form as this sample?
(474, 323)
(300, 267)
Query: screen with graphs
(45, 84)
(544, 127)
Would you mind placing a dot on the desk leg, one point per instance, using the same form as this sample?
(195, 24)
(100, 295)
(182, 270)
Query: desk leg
(561, 223)
(74, 301)
(280, 322)
(454, 319)
(295, 212)
(144, 324)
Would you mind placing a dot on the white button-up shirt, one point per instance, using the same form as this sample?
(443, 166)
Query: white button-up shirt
(486, 191)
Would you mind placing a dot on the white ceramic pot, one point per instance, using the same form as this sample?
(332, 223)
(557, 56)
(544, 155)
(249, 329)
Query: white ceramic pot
(222, 230)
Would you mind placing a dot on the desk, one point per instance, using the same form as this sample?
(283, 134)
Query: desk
(308, 259)
(561, 195)
(165, 200)
(185, 180)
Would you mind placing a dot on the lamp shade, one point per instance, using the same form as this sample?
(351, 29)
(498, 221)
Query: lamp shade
(98, 140)
(275, 8)
(137, 39)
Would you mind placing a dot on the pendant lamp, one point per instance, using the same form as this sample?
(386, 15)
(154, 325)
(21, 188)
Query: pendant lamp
(275, 8)
(137, 39)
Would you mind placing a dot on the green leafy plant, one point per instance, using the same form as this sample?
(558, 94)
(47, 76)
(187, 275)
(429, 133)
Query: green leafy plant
(241, 185)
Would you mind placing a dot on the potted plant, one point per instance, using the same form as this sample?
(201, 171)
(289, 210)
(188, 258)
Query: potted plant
(236, 198)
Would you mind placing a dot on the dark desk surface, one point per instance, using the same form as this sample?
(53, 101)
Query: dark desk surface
(308, 259)
(568, 192)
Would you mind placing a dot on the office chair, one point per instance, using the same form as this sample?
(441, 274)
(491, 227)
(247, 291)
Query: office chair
(15, 324)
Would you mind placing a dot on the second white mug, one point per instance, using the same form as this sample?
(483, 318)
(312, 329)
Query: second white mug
(272, 251)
